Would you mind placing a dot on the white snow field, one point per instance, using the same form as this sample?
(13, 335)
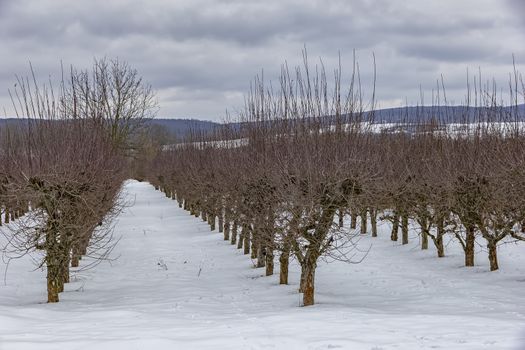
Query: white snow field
(176, 285)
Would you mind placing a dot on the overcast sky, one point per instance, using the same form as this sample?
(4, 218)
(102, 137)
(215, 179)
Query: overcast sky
(200, 55)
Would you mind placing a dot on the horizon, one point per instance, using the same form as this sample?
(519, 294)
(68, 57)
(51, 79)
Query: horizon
(235, 121)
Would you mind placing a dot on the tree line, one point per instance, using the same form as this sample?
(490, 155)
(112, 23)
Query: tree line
(308, 155)
(63, 164)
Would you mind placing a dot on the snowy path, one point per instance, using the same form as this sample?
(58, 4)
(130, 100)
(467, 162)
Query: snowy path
(210, 297)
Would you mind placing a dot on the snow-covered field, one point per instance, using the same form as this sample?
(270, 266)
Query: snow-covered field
(176, 285)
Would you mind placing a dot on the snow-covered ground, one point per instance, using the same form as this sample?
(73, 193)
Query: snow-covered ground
(176, 285)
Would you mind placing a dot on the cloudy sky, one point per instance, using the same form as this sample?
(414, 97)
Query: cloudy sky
(200, 55)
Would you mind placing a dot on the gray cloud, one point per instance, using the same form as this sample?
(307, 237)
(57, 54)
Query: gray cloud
(517, 8)
(451, 50)
(200, 55)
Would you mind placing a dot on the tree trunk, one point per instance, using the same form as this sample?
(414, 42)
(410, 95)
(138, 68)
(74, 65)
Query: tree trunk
(75, 260)
(212, 222)
(353, 219)
(83, 250)
(284, 261)
(424, 239)
(395, 228)
(75, 254)
(302, 281)
(439, 238)
(234, 233)
(364, 221)
(246, 242)
(373, 222)
(269, 261)
(424, 234)
(254, 247)
(83, 244)
(341, 217)
(241, 238)
(52, 284)
(469, 246)
(64, 271)
(53, 273)
(66, 260)
(440, 247)
(258, 253)
(204, 217)
(52, 260)
(227, 224)
(60, 283)
(308, 281)
(493, 255)
(221, 222)
(404, 228)
(226, 230)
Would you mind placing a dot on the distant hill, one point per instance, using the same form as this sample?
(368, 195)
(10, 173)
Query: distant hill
(177, 127)
(448, 114)
(9, 121)
(181, 127)
(452, 114)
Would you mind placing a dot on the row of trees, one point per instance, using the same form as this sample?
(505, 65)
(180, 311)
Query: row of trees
(307, 155)
(63, 165)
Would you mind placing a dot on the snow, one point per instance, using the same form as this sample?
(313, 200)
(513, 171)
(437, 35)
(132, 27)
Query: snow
(234, 143)
(176, 285)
